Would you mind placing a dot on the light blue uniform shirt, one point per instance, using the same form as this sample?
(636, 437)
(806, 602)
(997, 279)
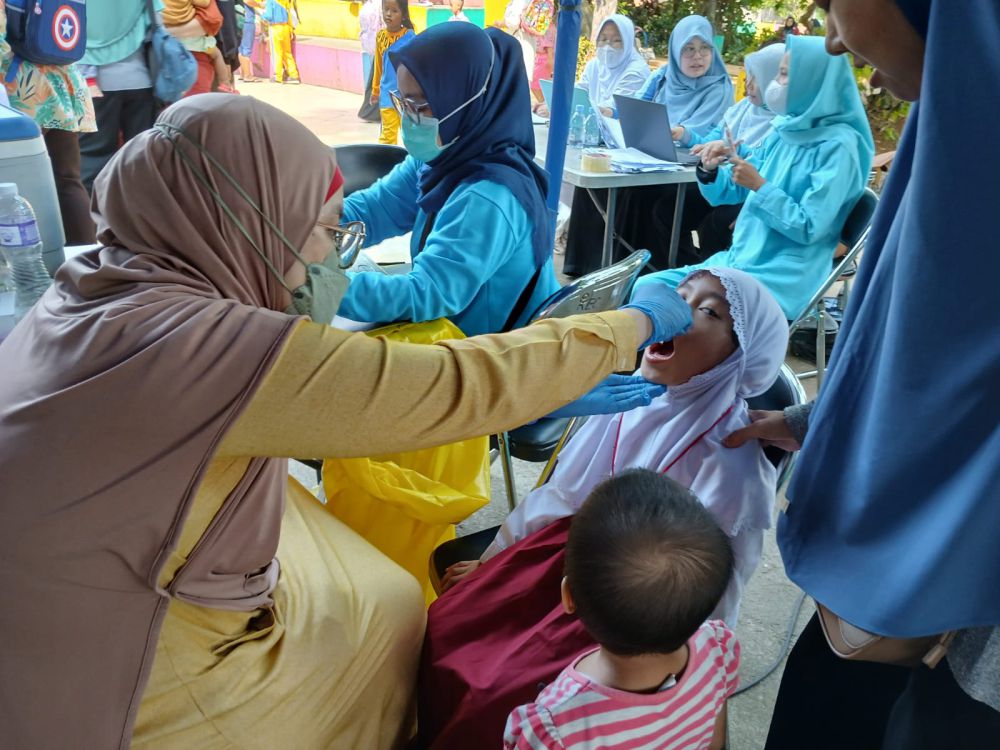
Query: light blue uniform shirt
(787, 232)
(473, 268)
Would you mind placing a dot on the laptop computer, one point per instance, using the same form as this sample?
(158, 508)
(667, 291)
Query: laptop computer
(646, 127)
(581, 97)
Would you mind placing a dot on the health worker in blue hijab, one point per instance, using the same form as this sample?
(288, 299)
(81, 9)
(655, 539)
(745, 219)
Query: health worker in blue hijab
(470, 191)
(895, 505)
(694, 84)
(799, 186)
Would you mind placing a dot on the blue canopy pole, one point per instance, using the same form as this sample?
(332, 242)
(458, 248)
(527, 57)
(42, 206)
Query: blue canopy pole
(563, 78)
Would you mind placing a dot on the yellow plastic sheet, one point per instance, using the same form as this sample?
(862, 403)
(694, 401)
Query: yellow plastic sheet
(406, 504)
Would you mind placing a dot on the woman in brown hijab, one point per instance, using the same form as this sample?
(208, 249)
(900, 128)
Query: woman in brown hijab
(163, 581)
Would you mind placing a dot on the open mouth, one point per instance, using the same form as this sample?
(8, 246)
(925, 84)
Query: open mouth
(660, 352)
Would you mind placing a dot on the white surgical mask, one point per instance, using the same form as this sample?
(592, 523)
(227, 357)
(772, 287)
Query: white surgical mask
(608, 56)
(776, 97)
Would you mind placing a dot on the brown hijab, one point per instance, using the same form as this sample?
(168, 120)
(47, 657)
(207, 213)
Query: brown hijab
(115, 391)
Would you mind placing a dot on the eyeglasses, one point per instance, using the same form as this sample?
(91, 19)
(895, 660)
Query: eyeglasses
(408, 107)
(347, 240)
(616, 43)
(702, 51)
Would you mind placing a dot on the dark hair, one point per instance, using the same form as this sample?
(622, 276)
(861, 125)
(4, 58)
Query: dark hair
(404, 8)
(646, 563)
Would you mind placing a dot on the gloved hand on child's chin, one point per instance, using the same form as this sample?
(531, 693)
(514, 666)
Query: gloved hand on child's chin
(617, 393)
(665, 308)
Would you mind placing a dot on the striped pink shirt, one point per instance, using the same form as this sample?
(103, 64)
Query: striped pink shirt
(576, 712)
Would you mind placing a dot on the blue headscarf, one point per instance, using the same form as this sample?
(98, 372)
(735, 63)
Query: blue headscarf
(895, 504)
(696, 103)
(496, 141)
(823, 100)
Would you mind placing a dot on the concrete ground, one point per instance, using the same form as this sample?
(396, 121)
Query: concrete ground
(770, 598)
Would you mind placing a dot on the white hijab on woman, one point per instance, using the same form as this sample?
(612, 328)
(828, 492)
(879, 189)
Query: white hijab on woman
(624, 72)
(737, 485)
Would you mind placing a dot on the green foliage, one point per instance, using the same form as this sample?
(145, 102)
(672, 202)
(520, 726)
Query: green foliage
(732, 19)
(886, 113)
(584, 55)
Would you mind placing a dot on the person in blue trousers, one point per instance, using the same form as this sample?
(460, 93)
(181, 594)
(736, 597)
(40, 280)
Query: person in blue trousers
(800, 185)
(470, 191)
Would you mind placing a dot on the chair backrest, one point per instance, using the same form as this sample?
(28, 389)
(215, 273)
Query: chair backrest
(362, 164)
(602, 290)
(860, 219)
(854, 234)
(786, 391)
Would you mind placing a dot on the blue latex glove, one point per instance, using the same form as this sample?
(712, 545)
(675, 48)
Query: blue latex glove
(615, 394)
(666, 309)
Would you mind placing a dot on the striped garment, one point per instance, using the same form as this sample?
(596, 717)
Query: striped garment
(576, 712)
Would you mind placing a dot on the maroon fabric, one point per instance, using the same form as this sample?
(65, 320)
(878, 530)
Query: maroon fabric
(494, 641)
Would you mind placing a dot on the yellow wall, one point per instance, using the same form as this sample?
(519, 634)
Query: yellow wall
(494, 10)
(330, 18)
(338, 19)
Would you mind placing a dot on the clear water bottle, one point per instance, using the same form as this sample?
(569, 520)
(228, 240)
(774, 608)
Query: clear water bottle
(576, 125)
(591, 131)
(22, 249)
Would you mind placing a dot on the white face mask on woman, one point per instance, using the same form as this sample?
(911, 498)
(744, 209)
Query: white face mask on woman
(776, 98)
(608, 56)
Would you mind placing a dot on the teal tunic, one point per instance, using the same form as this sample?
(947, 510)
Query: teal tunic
(474, 265)
(787, 232)
(815, 164)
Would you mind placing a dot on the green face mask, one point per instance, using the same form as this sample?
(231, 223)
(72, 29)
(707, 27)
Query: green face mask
(319, 298)
(326, 283)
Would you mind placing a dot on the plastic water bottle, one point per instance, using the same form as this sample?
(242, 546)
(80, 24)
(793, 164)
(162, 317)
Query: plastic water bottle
(591, 131)
(576, 126)
(22, 249)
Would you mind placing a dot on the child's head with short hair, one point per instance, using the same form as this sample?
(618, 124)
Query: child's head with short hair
(646, 564)
(456, 6)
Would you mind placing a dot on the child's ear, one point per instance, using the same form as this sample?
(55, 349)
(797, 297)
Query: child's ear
(567, 597)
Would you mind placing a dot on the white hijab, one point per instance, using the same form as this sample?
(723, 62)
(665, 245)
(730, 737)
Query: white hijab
(737, 485)
(603, 80)
(747, 122)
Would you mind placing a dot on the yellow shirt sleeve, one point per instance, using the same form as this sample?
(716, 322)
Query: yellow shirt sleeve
(336, 394)
(381, 45)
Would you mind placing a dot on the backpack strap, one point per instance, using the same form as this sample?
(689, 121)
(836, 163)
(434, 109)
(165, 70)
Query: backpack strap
(15, 65)
(522, 302)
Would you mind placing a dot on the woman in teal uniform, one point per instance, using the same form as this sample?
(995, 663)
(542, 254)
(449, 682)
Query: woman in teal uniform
(470, 191)
(800, 185)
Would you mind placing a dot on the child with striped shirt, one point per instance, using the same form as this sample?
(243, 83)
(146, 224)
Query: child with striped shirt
(646, 563)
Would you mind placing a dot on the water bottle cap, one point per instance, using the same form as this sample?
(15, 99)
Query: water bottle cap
(8, 188)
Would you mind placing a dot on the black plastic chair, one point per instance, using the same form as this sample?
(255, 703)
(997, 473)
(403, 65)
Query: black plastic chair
(786, 391)
(363, 164)
(854, 235)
